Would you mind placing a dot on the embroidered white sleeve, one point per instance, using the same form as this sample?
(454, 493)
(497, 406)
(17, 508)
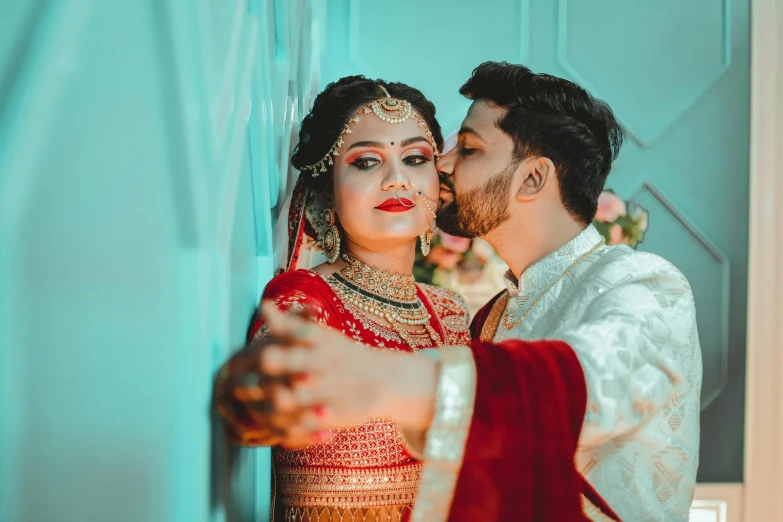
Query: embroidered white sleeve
(638, 345)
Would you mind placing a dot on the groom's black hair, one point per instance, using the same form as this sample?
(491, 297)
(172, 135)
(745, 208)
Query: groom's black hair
(552, 117)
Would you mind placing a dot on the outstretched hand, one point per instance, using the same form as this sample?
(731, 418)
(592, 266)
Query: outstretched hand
(304, 379)
(246, 397)
(333, 377)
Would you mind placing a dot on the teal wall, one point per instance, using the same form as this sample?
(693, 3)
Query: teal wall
(143, 146)
(677, 75)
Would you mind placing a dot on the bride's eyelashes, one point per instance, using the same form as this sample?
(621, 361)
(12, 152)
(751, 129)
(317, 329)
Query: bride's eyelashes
(368, 162)
(415, 160)
(365, 163)
(418, 156)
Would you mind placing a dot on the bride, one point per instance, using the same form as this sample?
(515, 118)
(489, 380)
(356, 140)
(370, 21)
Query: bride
(365, 196)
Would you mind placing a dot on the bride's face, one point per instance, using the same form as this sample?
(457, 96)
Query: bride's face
(376, 160)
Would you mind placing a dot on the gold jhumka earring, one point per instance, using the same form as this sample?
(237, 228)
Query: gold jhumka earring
(331, 240)
(425, 238)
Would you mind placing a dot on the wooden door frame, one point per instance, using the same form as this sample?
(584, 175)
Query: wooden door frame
(764, 399)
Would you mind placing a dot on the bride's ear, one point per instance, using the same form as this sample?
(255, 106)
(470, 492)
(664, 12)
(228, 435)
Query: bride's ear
(535, 173)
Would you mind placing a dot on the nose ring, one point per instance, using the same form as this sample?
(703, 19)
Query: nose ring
(400, 200)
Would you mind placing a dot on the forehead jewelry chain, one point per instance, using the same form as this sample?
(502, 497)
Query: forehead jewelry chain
(388, 109)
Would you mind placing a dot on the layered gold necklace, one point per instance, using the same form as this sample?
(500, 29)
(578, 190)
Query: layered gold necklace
(386, 295)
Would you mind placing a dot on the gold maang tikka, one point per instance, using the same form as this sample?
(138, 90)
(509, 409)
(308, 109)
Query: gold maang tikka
(388, 109)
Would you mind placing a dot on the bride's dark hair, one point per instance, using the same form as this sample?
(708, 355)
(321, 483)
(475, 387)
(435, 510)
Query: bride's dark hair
(331, 110)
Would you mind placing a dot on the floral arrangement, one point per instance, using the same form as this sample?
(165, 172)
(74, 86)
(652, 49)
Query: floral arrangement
(620, 222)
(460, 263)
(468, 266)
(447, 254)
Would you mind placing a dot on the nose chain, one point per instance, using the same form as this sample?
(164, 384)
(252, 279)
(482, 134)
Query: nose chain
(419, 194)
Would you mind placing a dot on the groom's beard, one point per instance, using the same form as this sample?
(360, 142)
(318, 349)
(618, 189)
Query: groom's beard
(480, 210)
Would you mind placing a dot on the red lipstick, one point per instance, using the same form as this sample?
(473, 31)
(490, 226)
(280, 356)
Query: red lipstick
(396, 205)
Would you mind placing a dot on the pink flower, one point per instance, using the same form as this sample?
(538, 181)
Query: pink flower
(610, 207)
(444, 258)
(459, 245)
(616, 235)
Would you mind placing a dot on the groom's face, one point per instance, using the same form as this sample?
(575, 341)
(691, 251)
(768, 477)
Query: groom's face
(476, 175)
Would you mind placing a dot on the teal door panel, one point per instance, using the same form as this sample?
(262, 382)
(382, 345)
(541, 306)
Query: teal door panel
(676, 74)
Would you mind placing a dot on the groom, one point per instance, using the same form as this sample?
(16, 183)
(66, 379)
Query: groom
(533, 155)
(579, 396)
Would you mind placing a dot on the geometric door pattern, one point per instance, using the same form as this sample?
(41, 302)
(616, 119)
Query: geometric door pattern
(143, 155)
(676, 74)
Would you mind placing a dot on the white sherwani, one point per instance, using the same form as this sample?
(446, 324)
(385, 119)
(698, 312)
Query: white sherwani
(630, 318)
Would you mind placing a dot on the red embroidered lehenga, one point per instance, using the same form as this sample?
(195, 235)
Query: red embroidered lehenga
(366, 468)
(364, 472)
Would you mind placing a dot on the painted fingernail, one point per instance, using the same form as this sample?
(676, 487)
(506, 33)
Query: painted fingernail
(323, 436)
(301, 378)
(320, 411)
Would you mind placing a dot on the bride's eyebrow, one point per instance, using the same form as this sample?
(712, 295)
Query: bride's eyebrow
(415, 139)
(377, 144)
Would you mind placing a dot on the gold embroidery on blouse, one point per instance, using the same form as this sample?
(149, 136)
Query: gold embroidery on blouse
(451, 312)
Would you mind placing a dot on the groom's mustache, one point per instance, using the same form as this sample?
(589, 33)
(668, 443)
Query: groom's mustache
(446, 182)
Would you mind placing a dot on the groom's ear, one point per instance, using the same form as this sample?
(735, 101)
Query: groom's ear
(535, 173)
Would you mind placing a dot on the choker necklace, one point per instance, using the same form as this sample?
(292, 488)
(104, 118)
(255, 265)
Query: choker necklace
(384, 284)
(386, 295)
